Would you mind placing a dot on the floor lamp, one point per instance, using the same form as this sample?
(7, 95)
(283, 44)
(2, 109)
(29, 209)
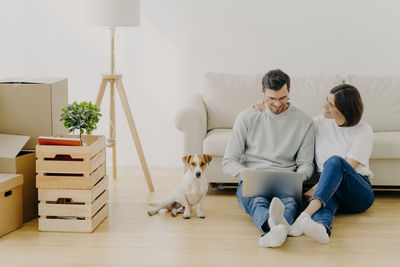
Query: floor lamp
(114, 14)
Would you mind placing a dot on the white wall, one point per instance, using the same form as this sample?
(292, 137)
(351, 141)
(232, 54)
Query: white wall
(165, 59)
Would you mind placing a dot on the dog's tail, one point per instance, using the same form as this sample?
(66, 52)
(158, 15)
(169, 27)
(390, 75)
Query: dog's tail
(154, 204)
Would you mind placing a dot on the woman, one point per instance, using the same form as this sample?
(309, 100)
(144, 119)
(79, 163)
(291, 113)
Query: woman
(342, 150)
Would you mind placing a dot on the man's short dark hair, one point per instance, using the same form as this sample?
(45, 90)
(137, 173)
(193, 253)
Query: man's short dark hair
(275, 80)
(348, 102)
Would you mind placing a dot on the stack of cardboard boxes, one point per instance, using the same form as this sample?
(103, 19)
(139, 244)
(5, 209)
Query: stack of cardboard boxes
(28, 108)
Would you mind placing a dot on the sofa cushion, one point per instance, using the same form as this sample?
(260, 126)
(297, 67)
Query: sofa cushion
(226, 95)
(386, 145)
(309, 93)
(215, 142)
(381, 97)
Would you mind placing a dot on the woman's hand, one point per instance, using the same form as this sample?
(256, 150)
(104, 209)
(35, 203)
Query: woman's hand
(310, 193)
(260, 105)
(354, 163)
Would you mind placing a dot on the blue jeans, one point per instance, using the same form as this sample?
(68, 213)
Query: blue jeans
(258, 208)
(340, 186)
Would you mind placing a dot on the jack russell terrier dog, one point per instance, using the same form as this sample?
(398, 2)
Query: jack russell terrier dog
(191, 191)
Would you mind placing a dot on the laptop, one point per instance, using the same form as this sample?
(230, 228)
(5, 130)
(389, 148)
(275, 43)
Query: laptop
(271, 184)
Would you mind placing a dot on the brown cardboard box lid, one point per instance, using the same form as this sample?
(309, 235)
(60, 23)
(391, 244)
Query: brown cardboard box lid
(9, 181)
(29, 80)
(11, 145)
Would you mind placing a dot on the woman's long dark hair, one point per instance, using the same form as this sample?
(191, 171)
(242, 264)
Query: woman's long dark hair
(348, 102)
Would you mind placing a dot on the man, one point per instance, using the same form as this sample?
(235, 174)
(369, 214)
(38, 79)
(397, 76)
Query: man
(279, 138)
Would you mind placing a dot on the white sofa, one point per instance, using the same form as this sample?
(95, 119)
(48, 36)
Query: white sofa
(207, 120)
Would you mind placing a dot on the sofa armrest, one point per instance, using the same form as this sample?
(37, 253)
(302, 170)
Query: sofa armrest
(192, 122)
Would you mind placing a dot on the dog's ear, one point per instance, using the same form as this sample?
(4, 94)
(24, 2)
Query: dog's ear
(208, 158)
(186, 159)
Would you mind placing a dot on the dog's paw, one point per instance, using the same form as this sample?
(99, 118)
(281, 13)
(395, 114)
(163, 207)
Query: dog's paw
(186, 216)
(200, 215)
(173, 214)
(150, 213)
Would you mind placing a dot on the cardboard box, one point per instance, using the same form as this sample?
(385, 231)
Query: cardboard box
(32, 107)
(15, 161)
(10, 202)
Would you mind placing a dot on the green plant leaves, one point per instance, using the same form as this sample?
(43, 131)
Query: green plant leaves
(81, 116)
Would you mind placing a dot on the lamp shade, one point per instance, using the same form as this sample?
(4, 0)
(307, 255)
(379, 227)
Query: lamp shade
(114, 13)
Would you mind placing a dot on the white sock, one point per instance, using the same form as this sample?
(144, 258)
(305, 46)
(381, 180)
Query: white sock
(276, 211)
(315, 230)
(275, 237)
(295, 228)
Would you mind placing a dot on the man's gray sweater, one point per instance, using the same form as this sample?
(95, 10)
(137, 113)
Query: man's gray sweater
(263, 140)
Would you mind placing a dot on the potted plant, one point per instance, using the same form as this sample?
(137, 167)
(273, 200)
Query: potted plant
(81, 116)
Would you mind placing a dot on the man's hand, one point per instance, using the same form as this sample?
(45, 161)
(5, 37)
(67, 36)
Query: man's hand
(260, 105)
(310, 193)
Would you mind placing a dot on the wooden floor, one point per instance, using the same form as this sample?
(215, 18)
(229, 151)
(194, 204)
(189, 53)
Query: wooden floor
(226, 237)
